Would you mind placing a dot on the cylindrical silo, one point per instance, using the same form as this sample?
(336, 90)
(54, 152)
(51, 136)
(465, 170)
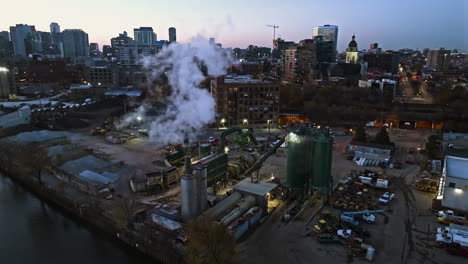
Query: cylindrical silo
(190, 198)
(202, 186)
(300, 156)
(322, 163)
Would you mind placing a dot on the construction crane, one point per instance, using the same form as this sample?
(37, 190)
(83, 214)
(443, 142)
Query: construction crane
(274, 30)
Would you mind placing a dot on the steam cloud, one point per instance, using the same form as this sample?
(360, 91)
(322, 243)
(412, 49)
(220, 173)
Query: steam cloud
(188, 108)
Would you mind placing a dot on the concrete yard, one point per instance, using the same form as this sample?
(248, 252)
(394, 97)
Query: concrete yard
(408, 237)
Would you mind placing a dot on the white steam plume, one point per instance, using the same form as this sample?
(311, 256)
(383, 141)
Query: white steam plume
(188, 108)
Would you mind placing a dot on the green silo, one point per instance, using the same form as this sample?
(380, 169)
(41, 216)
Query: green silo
(300, 156)
(322, 162)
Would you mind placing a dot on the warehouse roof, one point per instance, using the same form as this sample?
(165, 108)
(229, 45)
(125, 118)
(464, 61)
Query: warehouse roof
(259, 188)
(456, 167)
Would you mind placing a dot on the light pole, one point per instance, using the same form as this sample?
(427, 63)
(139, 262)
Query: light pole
(269, 125)
(246, 123)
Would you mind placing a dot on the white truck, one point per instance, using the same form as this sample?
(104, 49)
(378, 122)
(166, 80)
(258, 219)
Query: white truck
(452, 239)
(448, 217)
(454, 229)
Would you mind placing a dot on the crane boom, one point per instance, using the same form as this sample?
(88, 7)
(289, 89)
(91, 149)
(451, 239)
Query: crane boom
(274, 26)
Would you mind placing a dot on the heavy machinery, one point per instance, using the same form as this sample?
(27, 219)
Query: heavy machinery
(241, 138)
(366, 216)
(454, 229)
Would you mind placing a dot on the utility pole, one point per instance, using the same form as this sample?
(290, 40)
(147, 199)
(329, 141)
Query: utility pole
(274, 31)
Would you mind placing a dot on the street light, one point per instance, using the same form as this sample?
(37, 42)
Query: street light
(269, 125)
(223, 121)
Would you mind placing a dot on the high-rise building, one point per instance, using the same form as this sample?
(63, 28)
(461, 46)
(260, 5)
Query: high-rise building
(325, 49)
(172, 35)
(107, 51)
(212, 41)
(438, 58)
(75, 43)
(94, 50)
(19, 34)
(6, 49)
(55, 32)
(328, 33)
(352, 51)
(300, 60)
(387, 61)
(144, 35)
(54, 27)
(374, 48)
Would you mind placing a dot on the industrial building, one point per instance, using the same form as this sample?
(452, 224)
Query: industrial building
(19, 117)
(371, 152)
(259, 190)
(309, 160)
(244, 101)
(453, 185)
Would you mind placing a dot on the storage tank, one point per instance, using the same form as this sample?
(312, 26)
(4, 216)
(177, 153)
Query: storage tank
(300, 156)
(322, 162)
(190, 197)
(241, 208)
(202, 186)
(225, 205)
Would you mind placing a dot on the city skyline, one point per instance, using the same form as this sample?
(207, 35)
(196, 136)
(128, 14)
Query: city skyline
(416, 24)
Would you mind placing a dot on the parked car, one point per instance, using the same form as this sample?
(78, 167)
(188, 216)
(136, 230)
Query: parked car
(327, 238)
(386, 198)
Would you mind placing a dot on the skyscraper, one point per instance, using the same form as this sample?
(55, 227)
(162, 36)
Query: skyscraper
(144, 35)
(172, 35)
(328, 33)
(55, 32)
(6, 48)
(54, 27)
(75, 43)
(19, 35)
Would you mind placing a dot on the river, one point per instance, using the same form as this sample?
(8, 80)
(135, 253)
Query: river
(33, 232)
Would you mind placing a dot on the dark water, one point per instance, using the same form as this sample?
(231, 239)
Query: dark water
(33, 232)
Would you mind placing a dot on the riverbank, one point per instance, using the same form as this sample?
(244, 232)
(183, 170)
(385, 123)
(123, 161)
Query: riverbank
(93, 218)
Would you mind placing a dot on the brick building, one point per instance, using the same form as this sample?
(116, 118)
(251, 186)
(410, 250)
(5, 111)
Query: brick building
(241, 100)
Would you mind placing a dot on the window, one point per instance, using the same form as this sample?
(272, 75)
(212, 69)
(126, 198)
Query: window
(451, 185)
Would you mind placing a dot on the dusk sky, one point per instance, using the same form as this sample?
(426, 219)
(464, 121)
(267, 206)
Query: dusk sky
(393, 24)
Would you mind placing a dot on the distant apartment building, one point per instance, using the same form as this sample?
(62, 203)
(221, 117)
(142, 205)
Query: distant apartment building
(75, 43)
(300, 60)
(438, 58)
(387, 61)
(130, 54)
(241, 100)
(328, 33)
(144, 35)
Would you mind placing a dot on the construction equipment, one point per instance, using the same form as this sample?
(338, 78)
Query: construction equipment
(454, 229)
(274, 30)
(452, 239)
(366, 215)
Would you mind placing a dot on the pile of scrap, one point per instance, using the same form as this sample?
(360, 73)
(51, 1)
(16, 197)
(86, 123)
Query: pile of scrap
(353, 192)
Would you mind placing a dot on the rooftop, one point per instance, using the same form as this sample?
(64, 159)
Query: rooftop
(81, 86)
(456, 167)
(242, 79)
(260, 188)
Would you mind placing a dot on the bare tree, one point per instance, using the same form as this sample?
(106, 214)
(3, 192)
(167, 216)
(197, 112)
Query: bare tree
(127, 207)
(210, 243)
(35, 158)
